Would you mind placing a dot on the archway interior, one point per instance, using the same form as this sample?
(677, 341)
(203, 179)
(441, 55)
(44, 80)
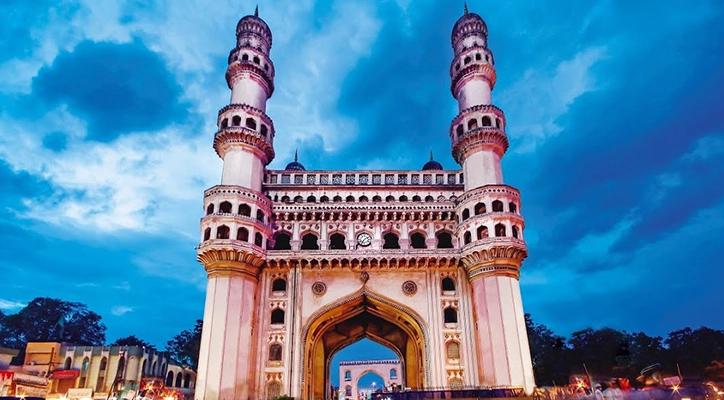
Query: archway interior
(363, 317)
(370, 380)
(365, 349)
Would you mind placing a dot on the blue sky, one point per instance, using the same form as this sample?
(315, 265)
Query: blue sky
(615, 116)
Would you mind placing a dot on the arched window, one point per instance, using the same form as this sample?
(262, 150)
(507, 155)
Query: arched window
(207, 234)
(309, 242)
(499, 230)
(153, 369)
(453, 351)
(390, 199)
(222, 232)
(363, 199)
(144, 367)
(416, 198)
(349, 199)
(282, 241)
(466, 214)
(324, 199)
(298, 199)
(480, 208)
(258, 239)
(245, 210)
(285, 199)
(210, 209)
(260, 215)
(376, 199)
(478, 57)
(468, 237)
(459, 130)
(348, 376)
(403, 198)
(512, 207)
(417, 241)
(487, 121)
(515, 231)
(391, 241)
(472, 124)
(444, 240)
(467, 60)
(448, 284)
(242, 234)
(348, 391)
(393, 373)
(498, 206)
(451, 315)
(336, 242)
(103, 365)
(250, 123)
(263, 130)
(179, 380)
(169, 379)
(311, 199)
(187, 380)
(224, 123)
(275, 352)
(256, 60)
(245, 57)
(121, 366)
(225, 207)
(429, 199)
(67, 363)
(498, 124)
(277, 316)
(279, 285)
(337, 199)
(482, 232)
(235, 120)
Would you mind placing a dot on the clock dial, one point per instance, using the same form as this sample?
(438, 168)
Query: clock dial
(364, 239)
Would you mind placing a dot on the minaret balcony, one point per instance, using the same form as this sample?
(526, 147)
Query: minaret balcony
(254, 55)
(475, 55)
(240, 135)
(478, 68)
(366, 259)
(494, 256)
(238, 69)
(477, 139)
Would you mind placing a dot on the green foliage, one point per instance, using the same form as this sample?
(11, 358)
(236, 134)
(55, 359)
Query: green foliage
(52, 320)
(184, 347)
(132, 341)
(548, 352)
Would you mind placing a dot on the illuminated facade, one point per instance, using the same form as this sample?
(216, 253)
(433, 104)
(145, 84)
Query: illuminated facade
(303, 263)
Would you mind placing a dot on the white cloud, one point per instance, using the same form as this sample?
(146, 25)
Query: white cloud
(706, 148)
(540, 97)
(121, 310)
(10, 305)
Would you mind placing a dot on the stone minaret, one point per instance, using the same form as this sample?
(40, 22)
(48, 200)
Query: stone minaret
(236, 227)
(491, 224)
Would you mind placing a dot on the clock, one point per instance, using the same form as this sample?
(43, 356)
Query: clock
(364, 239)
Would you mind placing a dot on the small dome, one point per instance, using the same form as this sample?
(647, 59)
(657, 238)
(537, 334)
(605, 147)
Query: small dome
(295, 165)
(467, 24)
(254, 24)
(432, 165)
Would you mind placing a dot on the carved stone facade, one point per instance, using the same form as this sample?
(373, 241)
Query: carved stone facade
(304, 263)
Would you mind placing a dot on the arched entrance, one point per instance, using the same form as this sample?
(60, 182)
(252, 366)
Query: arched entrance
(362, 315)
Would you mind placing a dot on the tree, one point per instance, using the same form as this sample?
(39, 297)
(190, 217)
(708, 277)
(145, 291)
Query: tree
(548, 354)
(598, 349)
(184, 347)
(693, 350)
(132, 341)
(52, 320)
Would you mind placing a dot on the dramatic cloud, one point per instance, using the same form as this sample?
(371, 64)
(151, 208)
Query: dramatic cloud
(107, 116)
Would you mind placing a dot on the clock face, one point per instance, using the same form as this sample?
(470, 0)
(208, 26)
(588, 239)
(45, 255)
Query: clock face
(364, 239)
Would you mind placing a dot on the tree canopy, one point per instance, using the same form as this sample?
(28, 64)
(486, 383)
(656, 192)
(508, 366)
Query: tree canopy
(184, 347)
(52, 320)
(132, 341)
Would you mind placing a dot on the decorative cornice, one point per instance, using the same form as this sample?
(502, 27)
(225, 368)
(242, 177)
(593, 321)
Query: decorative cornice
(231, 135)
(494, 260)
(224, 261)
(247, 109)
(254, 70)
(411, 259)
(481, 108)
(482, 138)
(486, 70)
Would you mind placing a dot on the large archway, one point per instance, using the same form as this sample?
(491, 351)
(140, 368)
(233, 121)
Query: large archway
(362, 315)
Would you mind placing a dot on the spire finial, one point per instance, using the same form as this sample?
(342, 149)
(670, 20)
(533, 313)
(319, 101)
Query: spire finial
(465, 10)
(256, 11)
(295, 155)
(431, 154)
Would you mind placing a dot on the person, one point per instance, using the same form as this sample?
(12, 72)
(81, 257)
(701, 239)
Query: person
(597, 393)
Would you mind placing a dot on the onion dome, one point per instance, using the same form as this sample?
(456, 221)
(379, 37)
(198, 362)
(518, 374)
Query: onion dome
(252, 24)
(296, 165)
(468, 24)
(432, 165)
